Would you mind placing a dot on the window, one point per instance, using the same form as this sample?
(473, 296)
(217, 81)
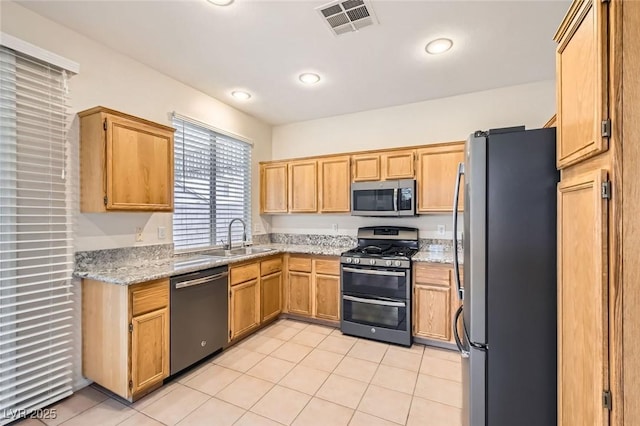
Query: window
(36, 253)
(212, 186)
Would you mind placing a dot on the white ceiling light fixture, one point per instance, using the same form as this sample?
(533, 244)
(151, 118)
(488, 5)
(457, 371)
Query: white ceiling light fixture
(221, 2)
(437, 46)
(241, 95)
(309, 78)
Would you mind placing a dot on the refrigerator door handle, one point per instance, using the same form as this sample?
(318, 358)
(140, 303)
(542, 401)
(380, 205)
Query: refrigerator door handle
(456, 262)
(456, 318)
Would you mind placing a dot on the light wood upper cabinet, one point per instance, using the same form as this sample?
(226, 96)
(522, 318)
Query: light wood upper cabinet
(398, 164)
(583, 316)
(273, 188)
(126, 163)
(303, 193)
(366, 167)
(133, 323)
(334, 184)
(582, 81)
(437, 171)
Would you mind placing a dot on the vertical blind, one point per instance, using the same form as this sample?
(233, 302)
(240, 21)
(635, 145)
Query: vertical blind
(36, 254)
(212, 186)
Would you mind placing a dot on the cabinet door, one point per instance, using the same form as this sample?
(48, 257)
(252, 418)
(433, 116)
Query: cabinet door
(366, 167)
(273, 188)
(271, 300)
(245, 308)
(300, 293)
(327, 297)
(398, 164)
(437, 171)
(139, 166)
(581, 76)
(335, 184)
(432, 314)
(303, 194)
(149, 349)
(582, 301)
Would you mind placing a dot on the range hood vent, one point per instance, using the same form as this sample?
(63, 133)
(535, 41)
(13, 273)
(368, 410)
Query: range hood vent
(347, 15)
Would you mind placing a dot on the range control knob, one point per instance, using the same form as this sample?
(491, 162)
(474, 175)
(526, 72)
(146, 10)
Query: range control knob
(356, 260)
(348, 260)
(372, 261)
(388, 263)
(398, 263)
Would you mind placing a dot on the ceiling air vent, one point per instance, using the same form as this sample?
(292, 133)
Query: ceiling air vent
(347, 16)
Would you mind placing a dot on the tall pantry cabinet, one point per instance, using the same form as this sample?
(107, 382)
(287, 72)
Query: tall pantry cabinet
(597, 385)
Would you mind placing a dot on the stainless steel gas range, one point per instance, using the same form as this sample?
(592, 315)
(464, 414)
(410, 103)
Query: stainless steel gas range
(376, 284)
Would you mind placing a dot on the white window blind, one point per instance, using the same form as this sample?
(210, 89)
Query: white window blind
(212, 186)
(36, 255)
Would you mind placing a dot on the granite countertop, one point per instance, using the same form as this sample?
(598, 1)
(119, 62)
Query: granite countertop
(127, 274)
(124, 273)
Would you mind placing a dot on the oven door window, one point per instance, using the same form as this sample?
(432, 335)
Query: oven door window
(375, 312)
(388, 283)
(373, 200)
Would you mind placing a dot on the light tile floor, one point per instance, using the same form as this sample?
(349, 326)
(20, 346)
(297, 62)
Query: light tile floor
(292, 373)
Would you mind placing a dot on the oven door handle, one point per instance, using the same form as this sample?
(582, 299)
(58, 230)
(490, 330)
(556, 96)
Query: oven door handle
(374, 301)
(373, 272)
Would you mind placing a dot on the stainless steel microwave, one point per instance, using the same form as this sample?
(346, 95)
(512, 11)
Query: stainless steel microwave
(386, 198)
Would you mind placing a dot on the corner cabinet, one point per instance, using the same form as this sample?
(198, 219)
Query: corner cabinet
(437, 171)
(126, 163)
(273, 188)
(255, 295)
(582, 83)
(125, 336)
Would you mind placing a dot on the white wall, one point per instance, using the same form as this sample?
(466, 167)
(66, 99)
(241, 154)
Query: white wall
(440, 120)
(116, 81)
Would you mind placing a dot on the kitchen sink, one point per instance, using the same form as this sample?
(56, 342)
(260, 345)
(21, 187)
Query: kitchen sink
(239, 251)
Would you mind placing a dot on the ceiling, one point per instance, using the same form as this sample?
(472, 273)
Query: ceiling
(262, 46)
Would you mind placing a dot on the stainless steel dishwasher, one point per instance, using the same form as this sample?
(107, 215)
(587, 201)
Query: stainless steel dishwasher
(199, 316)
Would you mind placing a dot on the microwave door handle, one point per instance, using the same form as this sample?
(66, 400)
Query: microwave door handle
(456, 262)
(395, 199)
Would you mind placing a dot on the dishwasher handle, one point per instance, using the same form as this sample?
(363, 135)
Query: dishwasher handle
(202, 280)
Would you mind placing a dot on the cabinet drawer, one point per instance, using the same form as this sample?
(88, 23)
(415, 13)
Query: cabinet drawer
(302, 264)
(270, 266)
(244, 273)
(328, 266)
(148, 297)
(433, 275)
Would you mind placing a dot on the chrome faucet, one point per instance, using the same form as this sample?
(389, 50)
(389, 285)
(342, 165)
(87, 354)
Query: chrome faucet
(244, 233)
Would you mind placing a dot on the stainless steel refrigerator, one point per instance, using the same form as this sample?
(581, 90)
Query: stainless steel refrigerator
(508, 312)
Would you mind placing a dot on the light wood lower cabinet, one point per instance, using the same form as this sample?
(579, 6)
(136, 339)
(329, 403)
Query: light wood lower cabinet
(327, 299)
(245, 308)
(313, 286)
(434, 302)
(125, 336)
(583, 314)
(299, 287)
(271, 300)
(255, 294)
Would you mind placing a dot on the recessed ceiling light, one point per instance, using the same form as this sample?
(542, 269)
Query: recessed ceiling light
(309, 78)
(439, 45)
(221, 2)
(241, 95)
